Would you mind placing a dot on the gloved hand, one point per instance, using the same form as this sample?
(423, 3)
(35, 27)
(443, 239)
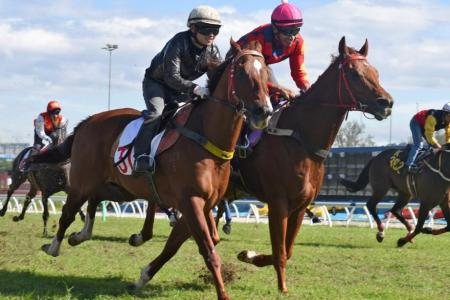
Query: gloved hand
(286, 93)
(47, 141)
(200, 91)
(307, 86)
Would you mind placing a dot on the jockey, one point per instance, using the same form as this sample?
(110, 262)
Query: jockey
(423, 125)
(280, 40)
(46, 125)
(169, 78)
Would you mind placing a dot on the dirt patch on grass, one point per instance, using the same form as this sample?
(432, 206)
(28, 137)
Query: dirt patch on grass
(230, 273)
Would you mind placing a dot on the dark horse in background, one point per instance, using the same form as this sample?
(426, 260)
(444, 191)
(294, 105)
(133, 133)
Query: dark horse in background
(286, 167)
(188, 177)
(387, 171)
(44, 178)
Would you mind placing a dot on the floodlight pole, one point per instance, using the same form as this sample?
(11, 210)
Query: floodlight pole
(110, 48)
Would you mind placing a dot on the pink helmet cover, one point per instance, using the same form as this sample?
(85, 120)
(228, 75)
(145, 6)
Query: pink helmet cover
(287, 14)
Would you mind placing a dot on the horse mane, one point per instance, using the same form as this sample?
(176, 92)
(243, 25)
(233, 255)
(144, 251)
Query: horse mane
(334, 59)
(216, 74)
(75, 129)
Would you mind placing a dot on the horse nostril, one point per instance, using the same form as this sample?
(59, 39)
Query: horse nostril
(384, 102)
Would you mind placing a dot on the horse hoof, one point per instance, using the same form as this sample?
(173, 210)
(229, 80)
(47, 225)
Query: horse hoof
(16, 219)
(2, 213)
(315, 220)
(246, 256)
(135, 240)
(226, 228)
(380, 237)
(401, 242)
(73, 241)
(46, 248)
(427, 230)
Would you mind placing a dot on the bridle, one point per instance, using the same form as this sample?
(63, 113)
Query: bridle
(238, 105)
(343, 83)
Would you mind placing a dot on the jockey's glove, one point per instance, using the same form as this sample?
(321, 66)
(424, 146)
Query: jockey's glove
(47, 140)
(200, 91)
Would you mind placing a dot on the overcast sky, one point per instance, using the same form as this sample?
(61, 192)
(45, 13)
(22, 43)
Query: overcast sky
(52, 50)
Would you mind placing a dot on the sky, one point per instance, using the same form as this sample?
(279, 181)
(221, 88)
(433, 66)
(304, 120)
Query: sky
(53, 50)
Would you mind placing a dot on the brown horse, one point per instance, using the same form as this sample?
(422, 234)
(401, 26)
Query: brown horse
(290, 169)
(286, 168)
(430, 185)
(47, 179)
(188, 177)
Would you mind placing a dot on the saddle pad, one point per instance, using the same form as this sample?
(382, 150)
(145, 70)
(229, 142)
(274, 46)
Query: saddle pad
(161, 142)
(22, 161)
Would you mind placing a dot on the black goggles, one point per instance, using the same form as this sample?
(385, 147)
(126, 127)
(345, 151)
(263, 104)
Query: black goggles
(55, 112)
(204, 30)
(289, 31)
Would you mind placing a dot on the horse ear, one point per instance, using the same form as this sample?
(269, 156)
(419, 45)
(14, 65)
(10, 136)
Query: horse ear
(343, 47)
(364, 49)
(253, 45)
(234, 45)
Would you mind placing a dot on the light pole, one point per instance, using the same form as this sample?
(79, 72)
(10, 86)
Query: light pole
(110, 48)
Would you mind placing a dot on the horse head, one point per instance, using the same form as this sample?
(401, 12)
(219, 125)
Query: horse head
(358, 84)
(247, 83)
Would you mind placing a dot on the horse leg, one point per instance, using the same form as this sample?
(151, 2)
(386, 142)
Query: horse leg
(372, 207)
(179, 234)
(72, 206)
(213, 228)
(423, 214)
(16, 182)
(146, 233)
(85, 234)
(278, 219)
(220, 211)
(396, 210)
(45, 213)
(30, 195)
(82, 215)
(194, 217)
(444, 205)
(227, 226)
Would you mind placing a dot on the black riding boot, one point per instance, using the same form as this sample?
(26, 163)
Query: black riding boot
(142, 146)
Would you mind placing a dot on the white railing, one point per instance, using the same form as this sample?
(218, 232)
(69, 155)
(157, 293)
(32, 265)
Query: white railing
(138, 209)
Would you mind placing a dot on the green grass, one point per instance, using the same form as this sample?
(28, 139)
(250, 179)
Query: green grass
(328, 263)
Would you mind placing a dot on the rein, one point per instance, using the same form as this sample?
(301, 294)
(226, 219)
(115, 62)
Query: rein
(438, 170)
(239, 107)
(343, 81)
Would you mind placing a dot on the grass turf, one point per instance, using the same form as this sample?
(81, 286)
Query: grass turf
(328, 263)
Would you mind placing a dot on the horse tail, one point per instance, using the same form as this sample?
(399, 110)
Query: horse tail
(58, 154)
(360, 183)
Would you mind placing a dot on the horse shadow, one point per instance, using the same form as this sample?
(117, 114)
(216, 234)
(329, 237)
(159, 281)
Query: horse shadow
(40, 286)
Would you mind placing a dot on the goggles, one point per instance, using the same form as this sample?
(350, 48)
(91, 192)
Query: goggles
(289, 31)
(55, 112)
(208, 30)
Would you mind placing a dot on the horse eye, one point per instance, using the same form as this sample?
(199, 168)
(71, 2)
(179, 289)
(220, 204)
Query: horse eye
(354, 74)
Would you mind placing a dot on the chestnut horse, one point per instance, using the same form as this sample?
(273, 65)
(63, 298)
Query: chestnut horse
(286, 168)
(430, 185)
(188, 177)
(290, 163)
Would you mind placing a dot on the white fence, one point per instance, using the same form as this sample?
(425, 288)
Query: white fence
(250, 213)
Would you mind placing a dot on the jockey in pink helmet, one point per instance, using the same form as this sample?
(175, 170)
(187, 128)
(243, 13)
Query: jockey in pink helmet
(280, 40)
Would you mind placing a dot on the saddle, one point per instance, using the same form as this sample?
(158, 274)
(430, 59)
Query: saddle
(165, 137)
